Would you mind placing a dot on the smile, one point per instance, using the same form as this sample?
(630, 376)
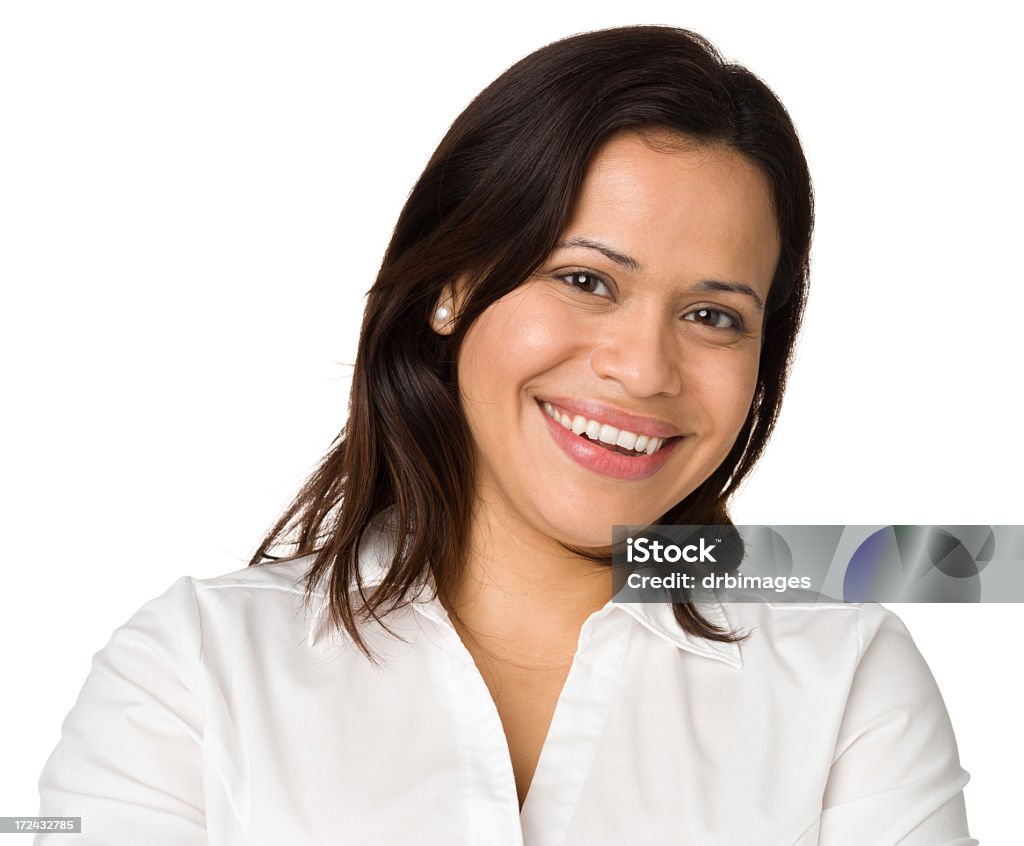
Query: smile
(607, 454)
(627, 442)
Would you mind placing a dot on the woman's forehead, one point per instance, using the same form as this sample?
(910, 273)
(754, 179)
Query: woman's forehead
(677, 204)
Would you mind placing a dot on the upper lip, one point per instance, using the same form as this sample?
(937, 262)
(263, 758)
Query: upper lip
(604, 413)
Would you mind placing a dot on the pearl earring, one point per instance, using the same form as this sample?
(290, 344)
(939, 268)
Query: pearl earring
(442, 313)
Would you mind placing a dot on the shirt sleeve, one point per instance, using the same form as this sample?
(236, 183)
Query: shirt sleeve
(896, 778)
(129, 761)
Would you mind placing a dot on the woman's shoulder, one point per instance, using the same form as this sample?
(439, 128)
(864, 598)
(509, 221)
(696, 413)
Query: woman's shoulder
(187, 618)
(856, 668)
(254, 587)
(131, 746)
(812, 614)
(824, 633)
(286, 575)
(262, 584)
(256, 609)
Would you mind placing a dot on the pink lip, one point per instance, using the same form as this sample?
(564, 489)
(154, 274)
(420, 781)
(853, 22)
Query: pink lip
(602, 413)
(588, 454)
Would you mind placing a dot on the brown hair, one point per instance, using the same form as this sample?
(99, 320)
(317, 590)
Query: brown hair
(489, 208)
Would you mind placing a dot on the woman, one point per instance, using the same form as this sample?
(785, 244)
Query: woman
(584, 318)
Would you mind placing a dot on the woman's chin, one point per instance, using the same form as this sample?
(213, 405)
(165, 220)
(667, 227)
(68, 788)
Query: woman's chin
(591, 533)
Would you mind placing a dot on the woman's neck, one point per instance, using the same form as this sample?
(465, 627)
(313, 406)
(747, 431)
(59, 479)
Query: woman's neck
(522, 596)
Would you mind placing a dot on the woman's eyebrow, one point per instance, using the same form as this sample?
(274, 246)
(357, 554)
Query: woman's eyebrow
(628, 262)
(734, 287)
(632, 265)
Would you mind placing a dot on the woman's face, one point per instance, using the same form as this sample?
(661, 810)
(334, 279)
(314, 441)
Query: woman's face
(645, 321)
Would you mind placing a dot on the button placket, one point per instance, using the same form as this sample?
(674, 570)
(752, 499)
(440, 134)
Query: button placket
(575, 732)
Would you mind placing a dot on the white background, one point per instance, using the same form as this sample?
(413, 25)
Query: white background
(196, 196)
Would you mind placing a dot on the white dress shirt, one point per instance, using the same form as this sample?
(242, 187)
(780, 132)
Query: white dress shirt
(222, 713)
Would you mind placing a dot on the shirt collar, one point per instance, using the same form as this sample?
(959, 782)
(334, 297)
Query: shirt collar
(375, 553)
(660, 619)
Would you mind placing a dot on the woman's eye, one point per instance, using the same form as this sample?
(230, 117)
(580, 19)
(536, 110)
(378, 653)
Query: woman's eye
(715, 318)
(589, 283)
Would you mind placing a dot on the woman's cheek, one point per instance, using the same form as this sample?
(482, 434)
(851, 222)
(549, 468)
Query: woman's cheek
(725, 386)
(544, 334)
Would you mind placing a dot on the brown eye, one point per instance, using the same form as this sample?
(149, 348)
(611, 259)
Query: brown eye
(587, 282)
(715, 319)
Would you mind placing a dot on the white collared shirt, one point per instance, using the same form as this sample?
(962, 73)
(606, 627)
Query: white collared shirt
(223, 713)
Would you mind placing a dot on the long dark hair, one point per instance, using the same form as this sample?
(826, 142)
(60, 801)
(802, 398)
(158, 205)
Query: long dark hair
(488, 209)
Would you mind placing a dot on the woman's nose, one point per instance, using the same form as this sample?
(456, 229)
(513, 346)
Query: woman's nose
(641, 353)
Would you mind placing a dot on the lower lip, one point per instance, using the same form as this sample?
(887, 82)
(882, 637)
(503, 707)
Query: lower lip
(588, 454)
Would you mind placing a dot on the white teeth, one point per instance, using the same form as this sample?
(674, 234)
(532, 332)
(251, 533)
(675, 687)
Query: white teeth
(608, 434)
(580, 425)
(627, 440)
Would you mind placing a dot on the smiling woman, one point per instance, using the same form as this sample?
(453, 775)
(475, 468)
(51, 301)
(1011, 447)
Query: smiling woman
(585, 317)
(617, 333)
